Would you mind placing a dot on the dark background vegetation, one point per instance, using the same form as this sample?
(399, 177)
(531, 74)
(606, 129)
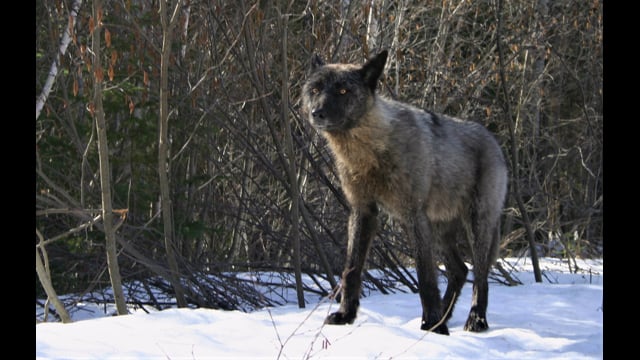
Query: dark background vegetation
(248, 180)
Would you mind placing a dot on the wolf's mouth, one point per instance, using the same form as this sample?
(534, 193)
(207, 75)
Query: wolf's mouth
(330, 127)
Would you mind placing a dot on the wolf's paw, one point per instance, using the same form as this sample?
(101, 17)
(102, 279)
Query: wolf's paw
(476, 323)
(339, 318)
(442, 329)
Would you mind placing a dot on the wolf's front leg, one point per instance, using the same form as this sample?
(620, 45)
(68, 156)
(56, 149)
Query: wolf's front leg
(363, 223)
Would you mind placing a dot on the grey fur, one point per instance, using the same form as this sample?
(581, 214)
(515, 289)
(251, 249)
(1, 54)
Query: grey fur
(443, 179)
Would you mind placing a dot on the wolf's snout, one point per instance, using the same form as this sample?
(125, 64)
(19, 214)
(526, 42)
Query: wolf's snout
(318, 113)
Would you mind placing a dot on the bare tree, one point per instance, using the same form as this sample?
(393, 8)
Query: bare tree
(44, 275)
(164, 167)
(294, 192)
(105, 170)
(515, 164)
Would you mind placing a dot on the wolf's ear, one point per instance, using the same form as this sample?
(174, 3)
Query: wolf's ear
(316, 62)
(373, 68)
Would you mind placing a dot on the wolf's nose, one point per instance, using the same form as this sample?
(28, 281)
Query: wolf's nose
(318, 113)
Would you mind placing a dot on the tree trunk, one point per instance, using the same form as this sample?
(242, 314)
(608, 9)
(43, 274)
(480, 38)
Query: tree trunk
(515, 169)
(53, 71)
(42, 269)
(105, 170)
(373, 30)
(293, 178)
(163, 152)
(402, 7)
(541, 13)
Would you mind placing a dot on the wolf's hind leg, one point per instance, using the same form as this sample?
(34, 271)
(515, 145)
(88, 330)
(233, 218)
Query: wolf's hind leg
(456, 269)
(484, 254)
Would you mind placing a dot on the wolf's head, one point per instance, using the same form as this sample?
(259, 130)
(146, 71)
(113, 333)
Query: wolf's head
(336, 96)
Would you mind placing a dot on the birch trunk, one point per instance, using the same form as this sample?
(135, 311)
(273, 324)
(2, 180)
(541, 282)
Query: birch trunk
(53, 72)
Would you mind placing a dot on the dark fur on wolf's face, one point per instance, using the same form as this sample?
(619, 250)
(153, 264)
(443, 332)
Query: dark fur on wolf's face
(336, 96)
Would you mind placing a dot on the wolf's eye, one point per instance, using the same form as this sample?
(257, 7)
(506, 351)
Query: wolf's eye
(342, 91)
(315, 91)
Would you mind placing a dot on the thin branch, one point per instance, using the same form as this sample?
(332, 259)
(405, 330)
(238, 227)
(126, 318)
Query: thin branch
(70, 231)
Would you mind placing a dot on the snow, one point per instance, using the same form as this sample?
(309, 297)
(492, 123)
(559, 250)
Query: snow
(560, 318)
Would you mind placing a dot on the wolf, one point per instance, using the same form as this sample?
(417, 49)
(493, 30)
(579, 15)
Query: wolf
(443, 179)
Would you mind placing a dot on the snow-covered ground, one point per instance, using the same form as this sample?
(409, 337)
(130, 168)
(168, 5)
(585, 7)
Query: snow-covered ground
(560, 318)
